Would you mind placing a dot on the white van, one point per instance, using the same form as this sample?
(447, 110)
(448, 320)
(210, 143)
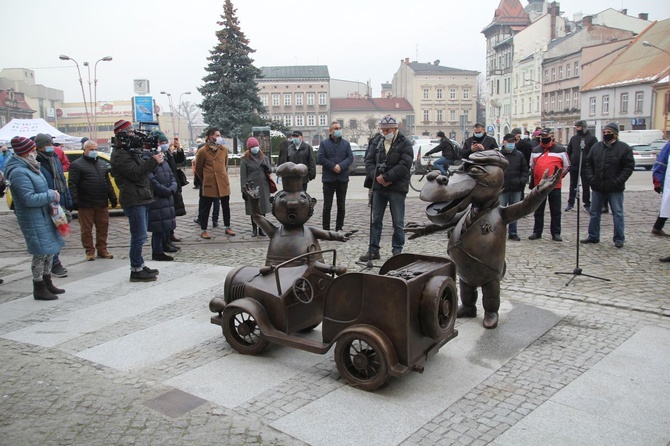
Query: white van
(640, 136)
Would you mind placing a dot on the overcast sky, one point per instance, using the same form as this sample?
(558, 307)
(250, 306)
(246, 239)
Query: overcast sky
(167, 41)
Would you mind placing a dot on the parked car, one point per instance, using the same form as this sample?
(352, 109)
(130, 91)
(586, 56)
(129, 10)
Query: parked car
(659, 144)
(358, 166)
(73, 155)
(645, 155)
(385, 324)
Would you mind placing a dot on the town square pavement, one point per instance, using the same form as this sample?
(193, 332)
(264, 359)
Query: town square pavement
(119, 363)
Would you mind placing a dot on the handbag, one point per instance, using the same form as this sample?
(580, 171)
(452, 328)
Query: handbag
(181, 176)
(271, 183)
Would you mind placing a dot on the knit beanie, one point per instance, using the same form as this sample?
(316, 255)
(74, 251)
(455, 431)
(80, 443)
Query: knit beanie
(121, 125)
(252, 142)
(42, 140)
(22, 145)
(614, 127)
(388, 122)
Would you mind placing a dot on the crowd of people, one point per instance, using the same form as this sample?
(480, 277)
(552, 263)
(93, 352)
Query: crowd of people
(150, 187)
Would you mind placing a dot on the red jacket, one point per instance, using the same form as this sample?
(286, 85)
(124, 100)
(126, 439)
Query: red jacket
(62, 157)
(550, 157)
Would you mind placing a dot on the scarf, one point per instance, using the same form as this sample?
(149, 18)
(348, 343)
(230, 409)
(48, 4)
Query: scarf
(59, 183)
(33, 165)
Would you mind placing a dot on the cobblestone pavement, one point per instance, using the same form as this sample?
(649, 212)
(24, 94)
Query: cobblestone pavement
(52, 396)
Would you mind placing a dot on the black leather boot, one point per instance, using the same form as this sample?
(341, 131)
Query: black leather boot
(40, 291)
(50, 285)
(254, 228)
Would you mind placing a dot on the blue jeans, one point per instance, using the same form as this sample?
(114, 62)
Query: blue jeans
(396, 202)
(615, 199)
(137, 220)
(507, 198)
(443, 164)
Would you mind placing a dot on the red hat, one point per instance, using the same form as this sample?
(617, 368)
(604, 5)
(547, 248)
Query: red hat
(121, 125)
(22, 145)
(252, 142)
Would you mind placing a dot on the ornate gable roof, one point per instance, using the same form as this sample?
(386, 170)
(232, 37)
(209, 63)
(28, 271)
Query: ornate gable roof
(510, 12)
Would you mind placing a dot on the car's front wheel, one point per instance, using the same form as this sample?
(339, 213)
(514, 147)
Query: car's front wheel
(242, 331)
(361, 361)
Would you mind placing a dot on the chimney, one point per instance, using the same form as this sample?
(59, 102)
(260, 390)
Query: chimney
(624, 11)
(587, 21)
(643, 15)
(407, 60)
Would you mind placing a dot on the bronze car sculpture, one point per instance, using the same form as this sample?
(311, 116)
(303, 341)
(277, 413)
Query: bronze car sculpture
(466, 204)
(383, 325)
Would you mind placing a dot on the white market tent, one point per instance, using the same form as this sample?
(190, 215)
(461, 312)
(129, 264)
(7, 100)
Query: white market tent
(31, 127)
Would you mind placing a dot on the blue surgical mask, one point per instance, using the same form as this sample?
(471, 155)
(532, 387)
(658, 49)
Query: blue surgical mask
(93, 154)
(165, 147)
(296, 141)
(478, 135)
(49, 149)
(337, 133)
(509, 146)
(255, 150)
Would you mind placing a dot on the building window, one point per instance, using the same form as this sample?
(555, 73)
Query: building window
(576, 69)
(546, 76)
(523, 106)
(560, 102)
(438, 117)
(353, 124)
(298, 99)
(322, 98)
(560, 72)
(438, 93)
(466, 93)
(310, 98)
(452, 93)
(311, 120)
(299, 120)
(546, 103)
(639, 101)
(287, 98)
(606, 104)
(426, 93)
(575, 100)
(592, 106)
(288, 120)
(276, 118)
(323, 120)
(452, 115)
(264, 100)
(624, 103)
(275, 99)
(552, 101)
(466, 113)
(553, 74)
(426, 115)
(567, 71)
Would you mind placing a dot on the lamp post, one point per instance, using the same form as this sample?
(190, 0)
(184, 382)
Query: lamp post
(646, 43)
(179, 113)
(171, 109)
(81, 83)
(95, 94)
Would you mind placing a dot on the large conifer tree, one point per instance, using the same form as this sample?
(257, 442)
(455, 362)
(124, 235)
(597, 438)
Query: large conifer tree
(230, 91)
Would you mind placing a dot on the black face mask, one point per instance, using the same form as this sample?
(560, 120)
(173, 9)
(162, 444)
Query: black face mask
(545, 140)
(609, 137)
(580, 132)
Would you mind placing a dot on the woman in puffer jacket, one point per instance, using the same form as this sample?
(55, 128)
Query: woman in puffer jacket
(162, 218)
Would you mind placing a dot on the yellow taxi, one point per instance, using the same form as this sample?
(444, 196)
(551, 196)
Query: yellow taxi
(71, 156)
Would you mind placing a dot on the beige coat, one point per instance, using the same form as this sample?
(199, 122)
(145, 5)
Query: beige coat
(212, 169)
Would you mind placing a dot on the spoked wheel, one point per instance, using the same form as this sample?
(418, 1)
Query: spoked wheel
(242, 332)
(361, 361)
(417, 180)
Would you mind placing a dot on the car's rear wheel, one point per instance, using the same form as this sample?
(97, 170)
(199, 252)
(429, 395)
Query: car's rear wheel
(242, 331)
(438, 307)
(361, 361)
(648, 167)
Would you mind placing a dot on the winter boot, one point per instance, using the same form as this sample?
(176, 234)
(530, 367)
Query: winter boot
(50, 286)
(254, 229)
(40, 291)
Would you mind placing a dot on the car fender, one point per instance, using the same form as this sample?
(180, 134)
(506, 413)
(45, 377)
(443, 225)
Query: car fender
(395, 369)
(254, 308)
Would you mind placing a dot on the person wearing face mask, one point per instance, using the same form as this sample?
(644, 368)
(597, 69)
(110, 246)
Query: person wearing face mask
(388, 164)
(608, 166)
(300, 152)
(548, 156)
(335, 157)
(253, 169)
(32, 204)
(478, 141)
(582, 135)
(173, 155)
(211, 166)
(91, 189)
(516, 177)
(4, 154)
(52, 169)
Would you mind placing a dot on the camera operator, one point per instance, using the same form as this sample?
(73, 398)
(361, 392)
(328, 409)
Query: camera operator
(131, 174)
(388, 164)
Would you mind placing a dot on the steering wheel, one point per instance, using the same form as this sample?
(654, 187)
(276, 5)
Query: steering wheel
(302, 290)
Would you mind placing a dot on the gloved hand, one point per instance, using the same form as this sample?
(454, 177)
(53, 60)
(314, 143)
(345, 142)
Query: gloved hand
(658, 189)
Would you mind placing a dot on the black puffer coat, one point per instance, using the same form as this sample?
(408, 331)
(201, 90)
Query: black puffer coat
(397, 164)
(89, 184)
(516, 174)
(574, 147)
(608, 168)
(173, 159)
(161, 211)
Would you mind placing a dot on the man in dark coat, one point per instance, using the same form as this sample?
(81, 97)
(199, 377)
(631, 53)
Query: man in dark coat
(131, 174)
(478, 141)
(516, 177)
(91, 190)
(448, 151)
(300, 152)
(335, 157)
(609, 165)
(388, 164)
(578, 149)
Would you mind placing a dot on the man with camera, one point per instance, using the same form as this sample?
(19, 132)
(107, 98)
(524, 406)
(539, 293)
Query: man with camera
(388, 164)
(131, 174)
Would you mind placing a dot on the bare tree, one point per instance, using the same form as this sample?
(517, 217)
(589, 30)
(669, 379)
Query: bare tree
(192, 113)
(482, 97)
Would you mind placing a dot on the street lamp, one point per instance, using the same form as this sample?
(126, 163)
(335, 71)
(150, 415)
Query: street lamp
(95, 94)
(179, 113)
(81, 83)
(646, 43)
(171, 108)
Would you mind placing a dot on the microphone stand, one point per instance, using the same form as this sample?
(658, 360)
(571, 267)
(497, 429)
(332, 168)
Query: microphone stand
(369, 265)
(578, 271)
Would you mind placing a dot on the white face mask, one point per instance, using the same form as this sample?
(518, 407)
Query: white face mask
(220, 141)
(32, 156)
(389, 136)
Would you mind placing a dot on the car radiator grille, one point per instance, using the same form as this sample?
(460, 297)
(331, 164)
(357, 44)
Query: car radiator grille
(237, 292)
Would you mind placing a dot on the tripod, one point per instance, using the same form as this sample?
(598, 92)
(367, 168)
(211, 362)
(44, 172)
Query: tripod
(578, 271)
